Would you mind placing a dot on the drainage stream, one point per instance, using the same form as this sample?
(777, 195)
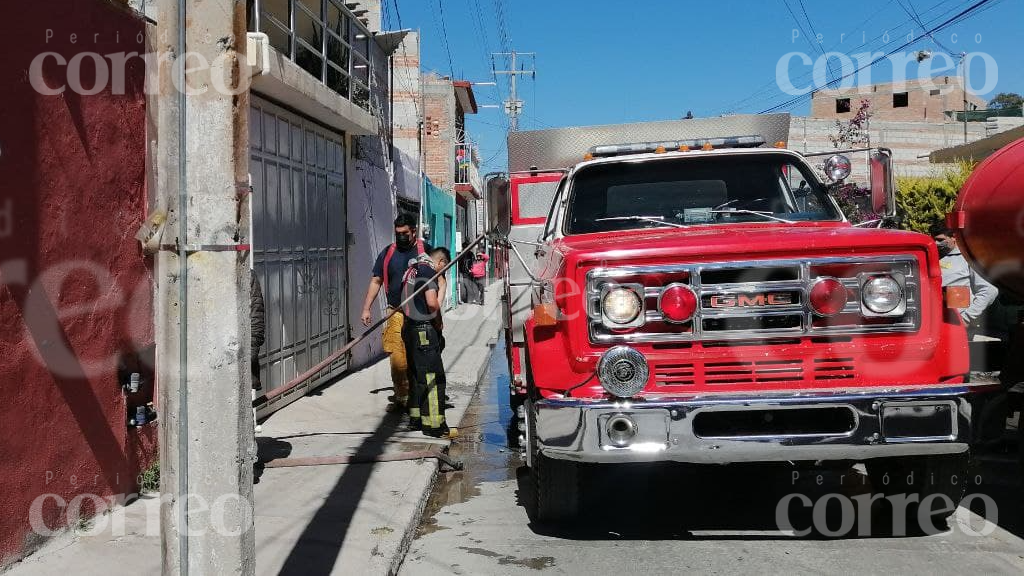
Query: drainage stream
(482, 444)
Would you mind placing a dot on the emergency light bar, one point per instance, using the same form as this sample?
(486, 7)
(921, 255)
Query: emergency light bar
(673, 145)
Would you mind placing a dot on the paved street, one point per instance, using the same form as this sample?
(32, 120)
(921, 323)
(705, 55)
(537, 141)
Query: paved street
(675, 519)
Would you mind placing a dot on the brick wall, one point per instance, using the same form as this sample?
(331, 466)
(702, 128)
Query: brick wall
(439, 130)
(926, 101)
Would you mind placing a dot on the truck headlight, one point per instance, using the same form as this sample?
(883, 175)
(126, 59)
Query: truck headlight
(623, 371)
(882, 294)
(621, 305)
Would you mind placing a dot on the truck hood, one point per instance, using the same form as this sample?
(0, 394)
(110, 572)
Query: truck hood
(740, 241)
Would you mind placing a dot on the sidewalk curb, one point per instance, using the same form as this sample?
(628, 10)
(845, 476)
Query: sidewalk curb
(410, 531)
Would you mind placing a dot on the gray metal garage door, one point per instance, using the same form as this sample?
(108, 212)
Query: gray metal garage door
(299, 238)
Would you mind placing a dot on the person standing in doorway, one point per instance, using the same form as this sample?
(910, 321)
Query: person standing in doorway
(388, 272)
(480, 275)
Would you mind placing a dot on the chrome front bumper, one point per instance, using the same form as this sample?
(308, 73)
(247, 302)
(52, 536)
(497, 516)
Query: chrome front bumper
(871, 423)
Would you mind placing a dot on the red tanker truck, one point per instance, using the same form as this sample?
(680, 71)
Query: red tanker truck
(690, 291)
(988, 219)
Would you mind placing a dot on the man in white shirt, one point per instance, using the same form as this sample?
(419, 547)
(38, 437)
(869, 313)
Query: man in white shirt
(957, 272)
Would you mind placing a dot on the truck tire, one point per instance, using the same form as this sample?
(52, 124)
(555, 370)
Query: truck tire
(923, 476)
(556, 488)
(556, 483)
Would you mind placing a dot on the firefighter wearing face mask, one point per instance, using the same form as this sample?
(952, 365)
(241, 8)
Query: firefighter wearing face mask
(388, 271)
(957, 272)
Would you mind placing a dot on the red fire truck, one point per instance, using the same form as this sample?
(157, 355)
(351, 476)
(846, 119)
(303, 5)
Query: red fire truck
(690, 291)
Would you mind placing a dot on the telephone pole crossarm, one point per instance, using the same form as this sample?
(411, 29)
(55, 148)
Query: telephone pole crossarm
(514, 106)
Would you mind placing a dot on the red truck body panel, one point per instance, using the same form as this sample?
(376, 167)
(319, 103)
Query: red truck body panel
(935, 353)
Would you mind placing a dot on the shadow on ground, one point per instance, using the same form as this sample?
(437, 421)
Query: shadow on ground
(321, 542)
(749, 502)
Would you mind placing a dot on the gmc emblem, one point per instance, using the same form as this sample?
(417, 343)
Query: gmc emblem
(751, 300)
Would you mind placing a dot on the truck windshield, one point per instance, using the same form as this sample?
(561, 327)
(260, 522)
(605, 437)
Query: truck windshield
(696, 190)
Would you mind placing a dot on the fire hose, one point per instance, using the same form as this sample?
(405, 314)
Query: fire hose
(334, 356)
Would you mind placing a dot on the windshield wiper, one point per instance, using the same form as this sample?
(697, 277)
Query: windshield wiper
(655, 219)
(767, 215)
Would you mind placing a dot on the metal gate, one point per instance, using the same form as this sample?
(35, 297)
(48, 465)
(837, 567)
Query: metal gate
(299, 239)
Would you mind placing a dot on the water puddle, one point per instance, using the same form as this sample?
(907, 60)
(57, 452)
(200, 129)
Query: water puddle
(482, 445)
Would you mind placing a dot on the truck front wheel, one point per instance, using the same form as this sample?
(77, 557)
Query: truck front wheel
(556, 483)
(556, 488)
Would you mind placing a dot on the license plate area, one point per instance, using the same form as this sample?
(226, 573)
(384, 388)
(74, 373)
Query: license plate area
(924, 421)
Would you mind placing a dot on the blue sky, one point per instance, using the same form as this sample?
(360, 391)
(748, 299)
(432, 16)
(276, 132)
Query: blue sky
(601, 62)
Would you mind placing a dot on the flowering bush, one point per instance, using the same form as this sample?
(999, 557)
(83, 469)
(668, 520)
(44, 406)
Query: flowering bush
(853, 132)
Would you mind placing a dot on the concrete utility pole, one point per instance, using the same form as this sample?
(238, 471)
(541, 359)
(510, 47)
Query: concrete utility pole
(963, 64)
(514, 106)
(202, 301)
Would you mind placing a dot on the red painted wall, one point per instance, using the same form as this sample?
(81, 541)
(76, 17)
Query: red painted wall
(75, 290)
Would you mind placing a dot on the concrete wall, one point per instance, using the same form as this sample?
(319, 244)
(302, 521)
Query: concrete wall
(371, 214)
(75, 291)
(376, 176)
(908, 140)
(406, 97)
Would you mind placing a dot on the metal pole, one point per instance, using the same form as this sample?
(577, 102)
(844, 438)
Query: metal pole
(514, 120)
(182, 296)
(963, 64)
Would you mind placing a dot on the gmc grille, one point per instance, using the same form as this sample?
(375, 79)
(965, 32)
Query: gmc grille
(755, 300)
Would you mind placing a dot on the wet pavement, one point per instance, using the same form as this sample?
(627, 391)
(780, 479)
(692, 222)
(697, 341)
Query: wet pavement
(482, 445)
(675, 518)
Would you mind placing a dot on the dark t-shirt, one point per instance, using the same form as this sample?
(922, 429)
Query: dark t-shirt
(396, 270)
(417, 310)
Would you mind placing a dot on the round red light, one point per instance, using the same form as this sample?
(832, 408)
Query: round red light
(828, 297)
(677, 303)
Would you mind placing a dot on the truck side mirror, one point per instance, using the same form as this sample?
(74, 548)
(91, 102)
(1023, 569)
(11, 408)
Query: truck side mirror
(883, 183)
(499, 206)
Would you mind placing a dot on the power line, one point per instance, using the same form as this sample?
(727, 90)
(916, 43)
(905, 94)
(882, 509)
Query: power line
(768, 86)
(503, 32)
(484, 38)
(912, 12)
(398, 14)
(962, 15)
(812, 37)
(444, 32)
(763, 90)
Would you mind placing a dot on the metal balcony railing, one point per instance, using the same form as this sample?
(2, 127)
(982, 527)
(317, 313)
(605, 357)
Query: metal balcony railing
(467, 167)
(325, 39)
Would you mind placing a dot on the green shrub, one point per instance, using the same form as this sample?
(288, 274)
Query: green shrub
(150, 479)
(920, 201)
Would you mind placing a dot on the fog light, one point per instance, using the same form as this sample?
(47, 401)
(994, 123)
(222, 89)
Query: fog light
(621, 430)
(623, 371)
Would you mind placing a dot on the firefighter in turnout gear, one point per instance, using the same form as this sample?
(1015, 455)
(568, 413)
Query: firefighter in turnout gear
(388, 269)
(423, 344)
